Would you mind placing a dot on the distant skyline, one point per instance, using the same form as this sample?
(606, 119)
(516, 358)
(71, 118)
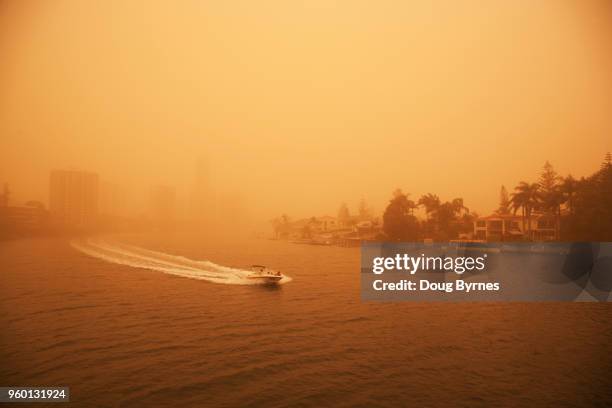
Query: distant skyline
(298, 107)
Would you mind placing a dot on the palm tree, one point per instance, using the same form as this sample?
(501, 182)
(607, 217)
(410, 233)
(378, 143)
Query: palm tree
(458, 206)
(431, 202)
(568, 189)
(551, 201)
(526, 197)
(446, 217)
(411, 205)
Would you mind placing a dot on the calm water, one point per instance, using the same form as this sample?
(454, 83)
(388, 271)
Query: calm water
(123, 336)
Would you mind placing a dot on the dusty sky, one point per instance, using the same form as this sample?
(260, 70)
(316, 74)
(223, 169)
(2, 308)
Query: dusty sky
(298, 106)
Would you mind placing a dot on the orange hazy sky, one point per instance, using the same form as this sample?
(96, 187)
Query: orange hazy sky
(300, 105)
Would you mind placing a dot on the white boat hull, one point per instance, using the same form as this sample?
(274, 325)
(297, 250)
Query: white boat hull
(267, 280)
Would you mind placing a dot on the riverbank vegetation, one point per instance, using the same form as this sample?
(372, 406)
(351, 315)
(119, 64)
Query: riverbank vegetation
(577, 209)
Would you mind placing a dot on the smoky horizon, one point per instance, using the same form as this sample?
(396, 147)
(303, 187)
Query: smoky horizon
(289, 108)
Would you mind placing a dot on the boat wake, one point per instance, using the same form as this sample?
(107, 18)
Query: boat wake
(137, 257)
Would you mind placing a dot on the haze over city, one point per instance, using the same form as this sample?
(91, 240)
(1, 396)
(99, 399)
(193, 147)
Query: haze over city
(298, 107)
(314, 203)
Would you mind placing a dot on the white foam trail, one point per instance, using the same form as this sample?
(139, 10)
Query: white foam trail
(137, 257)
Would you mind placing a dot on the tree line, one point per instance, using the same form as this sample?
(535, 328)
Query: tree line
(579, 209)
(445, 219)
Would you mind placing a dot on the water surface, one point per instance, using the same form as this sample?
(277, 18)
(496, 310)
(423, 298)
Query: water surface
(125, 336)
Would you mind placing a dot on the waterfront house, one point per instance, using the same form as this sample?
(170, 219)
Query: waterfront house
(511, 227)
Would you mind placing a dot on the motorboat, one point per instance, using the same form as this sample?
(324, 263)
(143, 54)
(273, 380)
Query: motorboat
(264, 275)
